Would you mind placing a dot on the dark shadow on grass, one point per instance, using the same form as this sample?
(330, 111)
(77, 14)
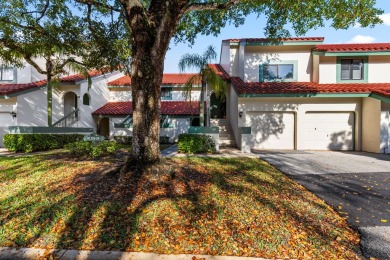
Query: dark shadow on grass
(119, 199)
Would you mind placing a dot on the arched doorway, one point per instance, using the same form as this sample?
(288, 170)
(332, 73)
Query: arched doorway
(217, 106)
(70, 103)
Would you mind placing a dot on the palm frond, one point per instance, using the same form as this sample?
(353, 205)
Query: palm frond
(210, 54)
(80, 69)
(191, 61)
(217, 84)
(189, 85)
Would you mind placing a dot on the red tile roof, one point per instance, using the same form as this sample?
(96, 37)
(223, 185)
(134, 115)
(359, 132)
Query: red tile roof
(308, 87)
(79, 77)
(168, 79)
(220, 71)
(10, 88)
(292, 39)
(167, 108)
(6, 89)
(353, 47)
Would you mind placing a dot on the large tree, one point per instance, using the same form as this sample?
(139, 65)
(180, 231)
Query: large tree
(153, 23)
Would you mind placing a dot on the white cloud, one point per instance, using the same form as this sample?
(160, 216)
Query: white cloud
(362, 39)
(357, 26)
(385, 18)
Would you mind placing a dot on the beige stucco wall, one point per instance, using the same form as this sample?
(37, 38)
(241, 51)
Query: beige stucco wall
(225, 56)
(378, 68)
(254, 56)
(327, 70)
(232, 100)
(32, 108)
(300, 106)
(120, 94)
(371, 118)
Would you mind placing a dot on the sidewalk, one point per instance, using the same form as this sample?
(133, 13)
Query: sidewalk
(35, 253)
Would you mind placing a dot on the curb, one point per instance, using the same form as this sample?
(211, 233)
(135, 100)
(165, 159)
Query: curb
(62, 254)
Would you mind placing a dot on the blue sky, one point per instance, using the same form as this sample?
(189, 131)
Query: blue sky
(253, 28)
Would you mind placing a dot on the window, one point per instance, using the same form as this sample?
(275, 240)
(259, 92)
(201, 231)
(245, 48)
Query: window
(86, 99)
(279, 72)
(352, 69)
(6, 73)
(166, 93)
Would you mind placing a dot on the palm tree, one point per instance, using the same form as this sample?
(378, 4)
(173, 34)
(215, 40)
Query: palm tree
(205, 73)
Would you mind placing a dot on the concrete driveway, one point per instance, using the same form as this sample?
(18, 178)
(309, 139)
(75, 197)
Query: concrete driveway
(356, 184)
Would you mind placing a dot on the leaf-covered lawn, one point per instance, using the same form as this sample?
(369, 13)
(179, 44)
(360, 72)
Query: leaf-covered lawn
(190, 205)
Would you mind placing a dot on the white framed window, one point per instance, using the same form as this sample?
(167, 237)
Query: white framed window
(7, 73)
(286, 70)
(279, 71)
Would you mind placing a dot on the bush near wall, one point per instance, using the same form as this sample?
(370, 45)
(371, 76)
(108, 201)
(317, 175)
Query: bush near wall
(28, 143)
(92, 150)
(194, 143)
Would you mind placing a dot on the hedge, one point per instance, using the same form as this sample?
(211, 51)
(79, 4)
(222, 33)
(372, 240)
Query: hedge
(28, 143)
(92, 150)
(194, 143)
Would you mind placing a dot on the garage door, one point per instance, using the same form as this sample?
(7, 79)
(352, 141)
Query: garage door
(329, 131)
(271, 130)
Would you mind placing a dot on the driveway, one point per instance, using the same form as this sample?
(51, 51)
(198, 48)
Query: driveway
(356, 184)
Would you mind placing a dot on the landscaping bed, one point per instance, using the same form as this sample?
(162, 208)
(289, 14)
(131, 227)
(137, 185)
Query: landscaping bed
(188, 205)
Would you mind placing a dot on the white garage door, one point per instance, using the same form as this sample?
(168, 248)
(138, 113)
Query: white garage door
(329, 131)
(271, 130)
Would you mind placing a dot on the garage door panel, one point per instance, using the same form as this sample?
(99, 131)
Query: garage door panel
(329, 131)
(271, 130)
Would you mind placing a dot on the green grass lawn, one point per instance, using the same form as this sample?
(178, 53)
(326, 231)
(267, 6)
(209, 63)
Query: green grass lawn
(190, 205)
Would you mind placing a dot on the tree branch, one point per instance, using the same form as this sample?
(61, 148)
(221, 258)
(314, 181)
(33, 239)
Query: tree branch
(99, 4)
(43, 12)
(211, 6)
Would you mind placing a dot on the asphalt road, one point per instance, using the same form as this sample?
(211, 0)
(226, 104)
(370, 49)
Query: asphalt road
(355, 184)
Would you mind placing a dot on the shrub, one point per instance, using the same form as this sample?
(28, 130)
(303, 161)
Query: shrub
(194, 143)
(90, 149)
(28, 143)
(123, 139)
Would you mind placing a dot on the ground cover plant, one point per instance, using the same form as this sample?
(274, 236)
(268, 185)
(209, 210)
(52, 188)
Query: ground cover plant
(189, 205)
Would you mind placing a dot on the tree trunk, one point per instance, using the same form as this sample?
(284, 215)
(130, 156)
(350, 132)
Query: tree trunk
(49, 69)
(151, 32)
(146, 78)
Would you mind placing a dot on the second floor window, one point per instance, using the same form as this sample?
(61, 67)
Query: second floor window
(6, 73)
(352, 69)
(166, 93)
(278, 72)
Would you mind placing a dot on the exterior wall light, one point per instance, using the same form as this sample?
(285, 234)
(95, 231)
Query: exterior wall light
(240, 114)
(13, 114)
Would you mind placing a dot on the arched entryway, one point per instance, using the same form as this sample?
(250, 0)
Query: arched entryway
(217, 107)
(70, 103)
